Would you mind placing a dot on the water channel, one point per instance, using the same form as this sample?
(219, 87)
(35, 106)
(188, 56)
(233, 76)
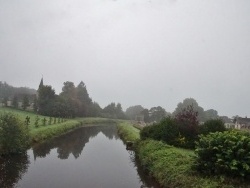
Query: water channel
(89, 157)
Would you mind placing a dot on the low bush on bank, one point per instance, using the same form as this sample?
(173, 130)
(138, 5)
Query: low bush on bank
(224, 153)
(14, 134)
(181, 131)
(211, 126)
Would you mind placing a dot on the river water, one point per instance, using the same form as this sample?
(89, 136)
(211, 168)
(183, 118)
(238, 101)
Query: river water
(89, 157)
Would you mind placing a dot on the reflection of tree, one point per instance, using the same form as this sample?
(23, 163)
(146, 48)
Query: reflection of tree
(74, 141)
(12, 168)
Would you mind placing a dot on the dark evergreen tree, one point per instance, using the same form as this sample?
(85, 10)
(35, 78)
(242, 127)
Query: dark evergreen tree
(15, 102)
(25, 102)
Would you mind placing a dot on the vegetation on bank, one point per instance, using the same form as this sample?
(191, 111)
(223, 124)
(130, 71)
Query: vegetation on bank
(177, 167)
(173, 167)
(16, 134)
(128, 132)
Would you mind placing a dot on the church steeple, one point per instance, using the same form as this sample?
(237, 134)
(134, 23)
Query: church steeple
(41, 83)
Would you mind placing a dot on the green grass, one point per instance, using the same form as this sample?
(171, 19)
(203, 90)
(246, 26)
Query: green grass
(171, 166)
(42, 133)
(127, 131)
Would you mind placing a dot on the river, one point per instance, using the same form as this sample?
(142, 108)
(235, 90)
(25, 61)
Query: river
(89, 157)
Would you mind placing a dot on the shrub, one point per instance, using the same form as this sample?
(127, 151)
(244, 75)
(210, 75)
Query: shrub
(188, 125)
(211, 126)
(225, 152)
(14, 134)
(166, 130)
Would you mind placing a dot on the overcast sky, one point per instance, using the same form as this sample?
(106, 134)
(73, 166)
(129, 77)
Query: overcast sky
(147, 52)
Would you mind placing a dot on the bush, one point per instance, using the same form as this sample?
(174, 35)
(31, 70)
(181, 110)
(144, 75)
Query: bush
(14, 134)
(166, 131)
(211, 126)
(174, 131)
(225, 152)
(188, 125)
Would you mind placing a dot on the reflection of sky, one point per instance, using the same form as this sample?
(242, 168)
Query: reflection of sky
(103, 163)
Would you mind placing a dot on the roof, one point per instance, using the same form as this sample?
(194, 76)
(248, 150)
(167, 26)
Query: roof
(245, 121)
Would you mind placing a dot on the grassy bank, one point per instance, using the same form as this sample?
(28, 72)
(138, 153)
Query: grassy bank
(42, 133)
(127, 132)
(171, 166)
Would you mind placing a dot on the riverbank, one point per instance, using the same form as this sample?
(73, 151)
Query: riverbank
(171, 166)
(45, 130)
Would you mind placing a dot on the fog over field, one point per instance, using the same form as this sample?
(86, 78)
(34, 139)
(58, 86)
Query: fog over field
(147, 52)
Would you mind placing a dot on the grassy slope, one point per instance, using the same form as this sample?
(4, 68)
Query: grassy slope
(128, 132)
(46, 132)
(170, 166)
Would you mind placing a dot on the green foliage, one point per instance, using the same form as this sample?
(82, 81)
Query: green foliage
(211, 126)
(27, 120)
(14, 135)
(172, 167)
(113, 111)
(133, 111)
(50, 120)
(37, 121)
(25, 102)
(48, 132)
(44, 121)
(225, 152)
(128, 132)
(180, 131)
(15, 102)
(5, 101)
(166, 131)
(157, 114)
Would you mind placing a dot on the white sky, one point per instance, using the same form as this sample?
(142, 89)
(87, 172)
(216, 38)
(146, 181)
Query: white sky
(147, 52)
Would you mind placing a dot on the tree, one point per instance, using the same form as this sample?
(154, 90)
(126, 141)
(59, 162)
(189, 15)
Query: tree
(15, 102)
(211, 114)
(157, 113)
(45, 101)
(187, 121)
(114, 111)
(190, 102)
(133, 111)
(95, 110)
(25, 102)
(85, 102)
(119, 112)
(145, 114)
(5, 101)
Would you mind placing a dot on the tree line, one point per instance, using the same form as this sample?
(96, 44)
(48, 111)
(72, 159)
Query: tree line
(74, 101)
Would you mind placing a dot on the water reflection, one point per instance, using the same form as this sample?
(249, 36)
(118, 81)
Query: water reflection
(102, 162)
(73, 142)
(12, 169)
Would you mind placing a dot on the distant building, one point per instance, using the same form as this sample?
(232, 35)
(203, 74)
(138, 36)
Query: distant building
(229, 124)
(242, 123)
